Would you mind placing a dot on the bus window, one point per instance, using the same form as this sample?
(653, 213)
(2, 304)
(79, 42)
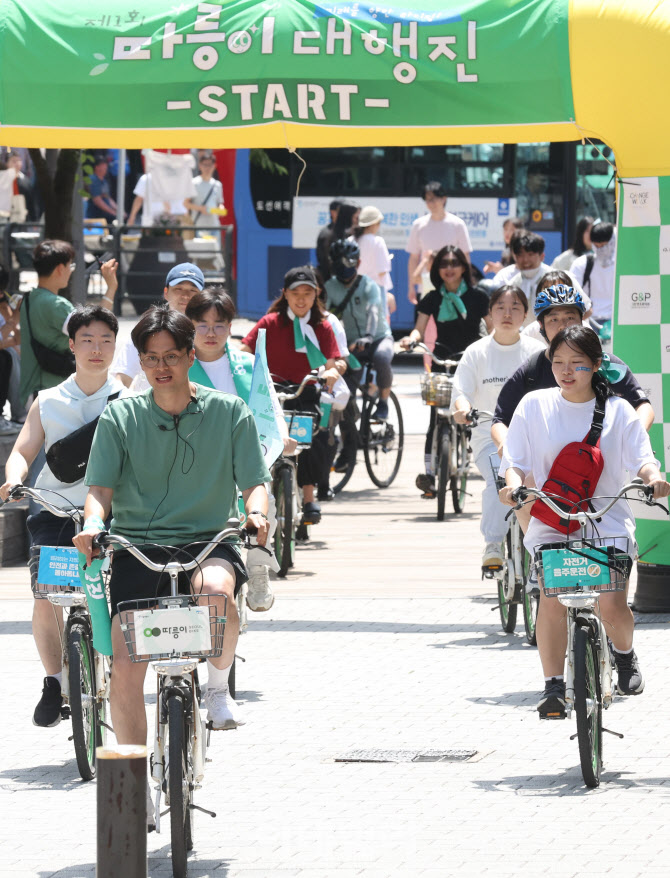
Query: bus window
(270, 185)
(468, 169)
(538, 185)
(595, 182)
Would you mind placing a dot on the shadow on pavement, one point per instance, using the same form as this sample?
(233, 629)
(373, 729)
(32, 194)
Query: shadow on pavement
(42, 777)
(568, 783)
(358, 626)
(16, 627)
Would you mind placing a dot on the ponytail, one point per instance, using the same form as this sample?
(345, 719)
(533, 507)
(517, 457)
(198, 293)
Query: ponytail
(601, 388)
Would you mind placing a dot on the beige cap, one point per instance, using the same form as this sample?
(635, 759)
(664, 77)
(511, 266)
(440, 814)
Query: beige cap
(369, 216)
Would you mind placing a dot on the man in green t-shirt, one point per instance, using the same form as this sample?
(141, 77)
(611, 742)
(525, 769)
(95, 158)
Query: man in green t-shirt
(44, 315)
(169, 462)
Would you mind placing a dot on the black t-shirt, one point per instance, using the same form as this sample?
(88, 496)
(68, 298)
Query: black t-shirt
(516, 387)
(454, 336)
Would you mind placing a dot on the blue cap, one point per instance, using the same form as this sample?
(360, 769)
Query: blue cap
(185, 271)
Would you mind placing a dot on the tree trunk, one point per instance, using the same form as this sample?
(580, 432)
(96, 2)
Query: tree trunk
(57, 190)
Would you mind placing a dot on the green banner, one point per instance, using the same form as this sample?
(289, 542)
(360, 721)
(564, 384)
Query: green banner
(150, 64)
(642, 326)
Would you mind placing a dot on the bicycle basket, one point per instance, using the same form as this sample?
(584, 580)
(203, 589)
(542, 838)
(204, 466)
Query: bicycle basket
(54, 570)
(156, 629)
(302, 426)
(583, 566)
(494, 460)
(436, 388)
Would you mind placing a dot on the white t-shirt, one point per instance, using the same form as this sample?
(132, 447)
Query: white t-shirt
(218, 372)
(430, 234)
(126, 360)
(209, 193)
(375, 260)
(153, 209)
(545, 422)
(600, 284)
(481, 373)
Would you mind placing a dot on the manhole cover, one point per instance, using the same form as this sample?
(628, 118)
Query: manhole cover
(407, 756)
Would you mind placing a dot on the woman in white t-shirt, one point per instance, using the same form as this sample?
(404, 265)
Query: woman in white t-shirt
(485, 366)
(543, 424)
(375, 257)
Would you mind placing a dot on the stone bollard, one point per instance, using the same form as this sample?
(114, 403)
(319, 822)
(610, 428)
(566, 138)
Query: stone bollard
(122, 811)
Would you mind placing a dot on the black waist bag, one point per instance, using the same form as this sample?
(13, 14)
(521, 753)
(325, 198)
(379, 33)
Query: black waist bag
(48, 359)
(68, 457)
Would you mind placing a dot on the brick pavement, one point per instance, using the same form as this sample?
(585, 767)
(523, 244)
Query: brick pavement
(345, 661)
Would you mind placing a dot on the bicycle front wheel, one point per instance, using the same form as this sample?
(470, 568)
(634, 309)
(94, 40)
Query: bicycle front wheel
(83, 704)
(284, 535)
(383, 442)
(443, 473)
(531, 602)
(588, 706)
(178, 786)
(507, 590)
(459, 480)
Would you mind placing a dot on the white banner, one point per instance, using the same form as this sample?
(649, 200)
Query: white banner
(484, 218)
(177, 629)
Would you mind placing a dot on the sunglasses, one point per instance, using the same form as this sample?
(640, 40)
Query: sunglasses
(449, 263)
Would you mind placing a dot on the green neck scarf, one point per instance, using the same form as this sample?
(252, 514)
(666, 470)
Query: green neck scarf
(451, 306)
(241, 368)
(304, 344)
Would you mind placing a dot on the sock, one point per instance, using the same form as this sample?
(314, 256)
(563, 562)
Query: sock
(622, 651)
(558, 678)
(58, 676)
(218, 678)
(428, 462)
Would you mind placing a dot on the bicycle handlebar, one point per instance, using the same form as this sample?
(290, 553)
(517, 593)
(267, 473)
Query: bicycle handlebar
(312, 378)
(18, 492)
(420, 344)
(520, 495)
(474, 416)
(104, 540)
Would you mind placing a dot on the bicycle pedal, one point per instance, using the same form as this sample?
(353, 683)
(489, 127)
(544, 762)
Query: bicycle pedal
(429, 495)
(559, 714)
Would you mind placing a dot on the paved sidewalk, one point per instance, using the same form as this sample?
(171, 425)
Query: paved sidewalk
(383, 637)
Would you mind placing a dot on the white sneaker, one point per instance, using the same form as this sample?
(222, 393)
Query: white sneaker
(492, 556)
(8, 428)
(259, 594)
(222, 710)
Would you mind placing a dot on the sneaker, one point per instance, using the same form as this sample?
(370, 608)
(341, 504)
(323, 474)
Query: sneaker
(629, 676)
(259, 593)
(532, 583)
(552, 703)
(311, 513)
(325, 493)
(492, 556)
(382, 411)
(7, 428)
(223, 712)
(47, 712)
(425, 483)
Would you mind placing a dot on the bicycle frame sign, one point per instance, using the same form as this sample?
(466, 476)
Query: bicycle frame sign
(300, 427)
(175, 629)
(59, 565)
(563, 568)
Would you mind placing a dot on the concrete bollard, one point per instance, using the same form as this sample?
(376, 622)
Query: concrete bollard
(122, 811)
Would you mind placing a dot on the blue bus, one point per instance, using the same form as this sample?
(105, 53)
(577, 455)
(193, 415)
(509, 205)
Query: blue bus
(554, 183)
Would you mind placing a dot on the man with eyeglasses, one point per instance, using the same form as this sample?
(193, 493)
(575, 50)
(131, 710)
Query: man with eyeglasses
(44, 319)
(181, 284)
(171, 461)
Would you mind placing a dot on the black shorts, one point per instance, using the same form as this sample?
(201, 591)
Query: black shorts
(130, 580)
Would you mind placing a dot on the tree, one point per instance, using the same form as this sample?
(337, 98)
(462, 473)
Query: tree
(56, 175)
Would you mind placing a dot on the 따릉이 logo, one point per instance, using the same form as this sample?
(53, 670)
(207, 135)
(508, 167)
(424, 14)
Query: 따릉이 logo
(152, 632)
(593, 570)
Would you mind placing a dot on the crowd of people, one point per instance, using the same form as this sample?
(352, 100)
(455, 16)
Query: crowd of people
(176, 442)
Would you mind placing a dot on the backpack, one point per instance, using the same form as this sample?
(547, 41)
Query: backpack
(573, 477)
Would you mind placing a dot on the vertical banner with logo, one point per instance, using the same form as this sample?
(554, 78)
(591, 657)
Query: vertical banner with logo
(642, 327)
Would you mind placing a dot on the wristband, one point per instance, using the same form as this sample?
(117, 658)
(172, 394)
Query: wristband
(258, 512)
(94, 522)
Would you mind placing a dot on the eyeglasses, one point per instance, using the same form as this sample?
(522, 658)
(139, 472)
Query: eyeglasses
(170, 360)
(449, 263)
(205, 329)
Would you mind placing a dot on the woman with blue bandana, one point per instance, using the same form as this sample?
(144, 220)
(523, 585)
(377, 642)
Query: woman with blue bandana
(458, 310)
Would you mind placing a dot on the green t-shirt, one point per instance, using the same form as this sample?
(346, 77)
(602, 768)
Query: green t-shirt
(48, 314)
(175, 486)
